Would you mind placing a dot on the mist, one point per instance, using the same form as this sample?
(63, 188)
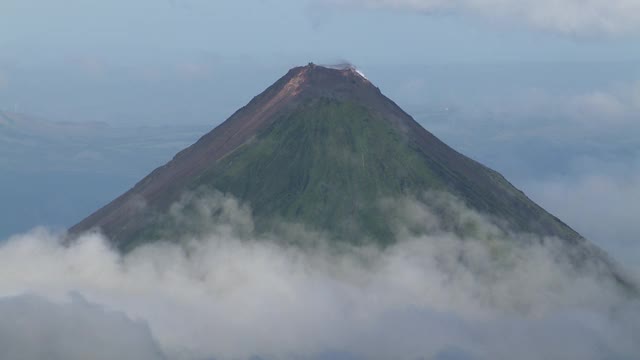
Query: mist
(35, 328)
(96, 94)
(595, 195)
(229, 293)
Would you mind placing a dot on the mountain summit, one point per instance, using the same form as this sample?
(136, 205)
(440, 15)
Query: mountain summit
(322, 147)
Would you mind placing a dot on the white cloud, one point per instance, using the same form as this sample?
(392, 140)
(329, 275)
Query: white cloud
(621, 103)
(35, 328)
(572, 17)
(230, 295)
(599, 105)
(600, 202)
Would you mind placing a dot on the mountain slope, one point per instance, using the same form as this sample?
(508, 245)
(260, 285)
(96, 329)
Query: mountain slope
(320, 147)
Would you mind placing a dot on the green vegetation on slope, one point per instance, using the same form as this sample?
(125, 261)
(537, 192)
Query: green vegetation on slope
(326, 165)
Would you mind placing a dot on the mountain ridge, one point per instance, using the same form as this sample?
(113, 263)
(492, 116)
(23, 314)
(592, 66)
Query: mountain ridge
(289, 92)
(321, 147)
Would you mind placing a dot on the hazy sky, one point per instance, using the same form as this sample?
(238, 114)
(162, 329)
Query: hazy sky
(363, 31)
(547, 92)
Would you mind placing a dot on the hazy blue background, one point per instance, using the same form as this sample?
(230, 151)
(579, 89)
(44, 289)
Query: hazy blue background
(94, 94)
(108, 90)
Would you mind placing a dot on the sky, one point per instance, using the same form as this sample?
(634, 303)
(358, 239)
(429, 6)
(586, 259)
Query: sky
(114, 58)
(286, 31)
(561, 77)
(547, 92)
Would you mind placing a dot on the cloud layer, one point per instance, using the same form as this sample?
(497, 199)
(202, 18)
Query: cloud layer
(596, 196)
(35, 328)
(230, 294)
(570, 17)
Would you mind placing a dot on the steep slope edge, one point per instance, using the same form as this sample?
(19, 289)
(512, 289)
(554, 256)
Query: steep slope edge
(323, 147)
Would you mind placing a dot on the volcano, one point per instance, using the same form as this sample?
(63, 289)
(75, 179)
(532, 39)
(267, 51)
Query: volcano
(321, 147)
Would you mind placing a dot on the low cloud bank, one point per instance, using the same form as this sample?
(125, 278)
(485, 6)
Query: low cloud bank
(232, 294)
(35, 328)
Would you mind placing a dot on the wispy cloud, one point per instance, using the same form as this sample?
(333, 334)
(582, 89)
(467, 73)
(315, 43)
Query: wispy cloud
(570, 17)
(4, 81)
(599, 193)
